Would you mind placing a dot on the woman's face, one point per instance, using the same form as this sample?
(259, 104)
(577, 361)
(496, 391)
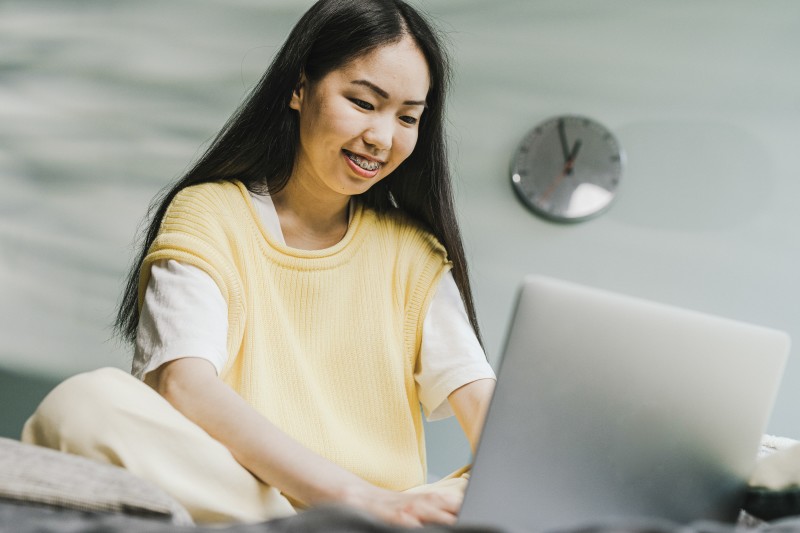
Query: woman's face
(360, 121)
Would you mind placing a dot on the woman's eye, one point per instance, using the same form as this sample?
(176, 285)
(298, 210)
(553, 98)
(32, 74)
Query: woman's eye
(362, 104)
(409, 120)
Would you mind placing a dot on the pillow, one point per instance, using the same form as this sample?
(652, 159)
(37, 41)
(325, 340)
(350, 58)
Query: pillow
(36, 475)
(774, 490)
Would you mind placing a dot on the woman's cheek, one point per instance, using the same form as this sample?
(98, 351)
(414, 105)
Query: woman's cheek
(407, 143)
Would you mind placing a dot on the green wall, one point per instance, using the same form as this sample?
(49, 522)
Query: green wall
(20, 393)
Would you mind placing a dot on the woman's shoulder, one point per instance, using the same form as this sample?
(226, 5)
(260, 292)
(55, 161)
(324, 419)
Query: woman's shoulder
(397, 221)
(408, 230)
(210, 194)
(207, 208)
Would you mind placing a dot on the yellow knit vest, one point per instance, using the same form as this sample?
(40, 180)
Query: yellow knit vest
(323, 343)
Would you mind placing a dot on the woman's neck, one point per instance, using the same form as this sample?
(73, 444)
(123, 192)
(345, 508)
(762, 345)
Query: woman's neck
(311, 220)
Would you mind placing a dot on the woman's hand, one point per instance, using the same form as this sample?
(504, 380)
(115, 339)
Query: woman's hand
(406, 508)
(191, 385)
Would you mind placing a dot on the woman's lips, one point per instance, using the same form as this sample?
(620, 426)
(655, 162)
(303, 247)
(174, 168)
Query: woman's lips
(364, 173)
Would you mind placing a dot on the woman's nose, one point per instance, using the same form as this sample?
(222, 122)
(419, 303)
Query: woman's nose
(379, 134)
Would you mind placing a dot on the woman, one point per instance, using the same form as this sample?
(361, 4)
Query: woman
(293, 301)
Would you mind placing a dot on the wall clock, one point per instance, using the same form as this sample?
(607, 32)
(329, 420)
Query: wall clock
(567, 168)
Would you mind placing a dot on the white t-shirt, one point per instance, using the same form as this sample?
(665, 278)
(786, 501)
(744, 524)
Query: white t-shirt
(184, 314)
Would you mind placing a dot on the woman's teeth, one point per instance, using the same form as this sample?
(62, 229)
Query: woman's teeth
(366, 164)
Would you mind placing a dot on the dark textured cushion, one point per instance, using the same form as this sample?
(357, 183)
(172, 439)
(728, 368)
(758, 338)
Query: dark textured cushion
(32, 474)
(769, 504)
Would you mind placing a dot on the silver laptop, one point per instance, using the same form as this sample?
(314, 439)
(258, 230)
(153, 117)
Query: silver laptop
(613, 409)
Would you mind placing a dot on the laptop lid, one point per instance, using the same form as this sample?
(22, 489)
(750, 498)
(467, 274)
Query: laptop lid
(612, 408)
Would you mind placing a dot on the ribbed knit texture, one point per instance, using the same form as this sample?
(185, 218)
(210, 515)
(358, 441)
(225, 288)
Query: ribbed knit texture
(324, 342)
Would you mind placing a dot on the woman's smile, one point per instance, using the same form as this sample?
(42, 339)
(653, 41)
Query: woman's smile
(362, 165)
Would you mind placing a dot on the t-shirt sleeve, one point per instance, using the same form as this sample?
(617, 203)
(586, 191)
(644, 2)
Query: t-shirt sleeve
(183, 314)
(450, 354)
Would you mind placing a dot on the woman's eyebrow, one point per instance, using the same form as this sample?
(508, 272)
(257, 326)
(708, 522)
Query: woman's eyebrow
(380, 92)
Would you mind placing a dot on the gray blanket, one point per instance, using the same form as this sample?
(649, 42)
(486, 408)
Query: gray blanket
(19, 518)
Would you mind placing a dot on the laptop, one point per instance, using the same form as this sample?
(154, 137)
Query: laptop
(615, 410)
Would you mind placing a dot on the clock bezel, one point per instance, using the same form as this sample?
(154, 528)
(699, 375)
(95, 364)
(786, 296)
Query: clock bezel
(521, 171)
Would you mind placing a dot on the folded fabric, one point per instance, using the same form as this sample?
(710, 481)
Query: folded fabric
(37, 475)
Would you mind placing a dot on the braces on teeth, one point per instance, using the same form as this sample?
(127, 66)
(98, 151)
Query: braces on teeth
(363, 163)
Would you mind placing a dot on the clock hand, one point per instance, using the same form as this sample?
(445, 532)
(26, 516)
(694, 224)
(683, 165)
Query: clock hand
(566, 171)
(572, 155)
(562, 135)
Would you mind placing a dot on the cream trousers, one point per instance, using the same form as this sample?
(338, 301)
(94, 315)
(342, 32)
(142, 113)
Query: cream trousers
(110, 416)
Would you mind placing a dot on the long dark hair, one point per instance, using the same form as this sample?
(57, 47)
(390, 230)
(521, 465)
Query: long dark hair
(258, 144)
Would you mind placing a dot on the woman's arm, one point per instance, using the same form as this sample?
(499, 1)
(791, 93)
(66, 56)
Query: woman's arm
(470, 403)
(192, 386)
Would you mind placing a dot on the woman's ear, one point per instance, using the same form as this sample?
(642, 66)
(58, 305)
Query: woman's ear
(298, 93)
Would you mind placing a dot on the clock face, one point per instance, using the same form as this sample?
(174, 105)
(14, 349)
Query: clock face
(567, 169)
